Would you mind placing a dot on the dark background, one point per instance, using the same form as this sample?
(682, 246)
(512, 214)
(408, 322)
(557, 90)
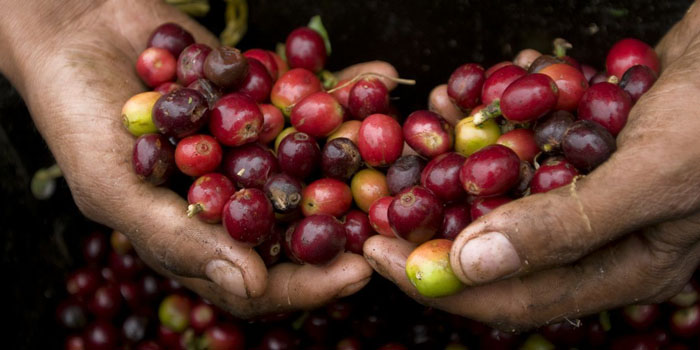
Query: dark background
(425, 40)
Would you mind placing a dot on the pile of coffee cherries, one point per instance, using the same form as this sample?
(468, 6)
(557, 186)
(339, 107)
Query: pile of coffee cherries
(532, 125)
(302, 166)
(270, 186)
(113, 301)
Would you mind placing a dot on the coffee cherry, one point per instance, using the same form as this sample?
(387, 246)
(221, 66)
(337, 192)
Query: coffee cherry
(180, 113)
(250, 165)
(340, 159)
(637, 80)
(441, 176)
(284, 192)
(318, 239)
(305, 48)
(226, 67)
(586, 145)
(156, 66)
(197, 155)
(627, 53)
(415, 214)
(236, 120)
(172, 37)
(465, 84)
(529, 98)
(491, 171)
(357, 230)
(208, 195)
(190, 64)
(248, 216)
(552, 174)
(368, 96)
(606, 104)
(299, 155)
(380, 140)
(404, 172)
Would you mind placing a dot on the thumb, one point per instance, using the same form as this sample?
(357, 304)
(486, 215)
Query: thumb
(563, 225)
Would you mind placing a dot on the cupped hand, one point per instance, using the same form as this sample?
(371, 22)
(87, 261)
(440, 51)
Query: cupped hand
(75, 76)
(629, 232)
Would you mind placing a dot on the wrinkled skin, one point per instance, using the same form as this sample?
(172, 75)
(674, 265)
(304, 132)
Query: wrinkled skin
(73, 62)
(627, 233)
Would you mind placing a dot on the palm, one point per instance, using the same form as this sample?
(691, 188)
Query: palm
(76, 103)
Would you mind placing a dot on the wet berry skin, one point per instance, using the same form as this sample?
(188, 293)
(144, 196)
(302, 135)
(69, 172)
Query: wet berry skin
(415, 214)
(305, 48)
(550, 130)
(606, 104)
(284, 192)
(257, 83)
(465, 84)
(529, 98)
(226, 67)
(552, 174)
(368, 96)
(250, 165)
(637, 80)
(340, 158)
(210, 192)
(153, 158)
(197, 155)
(248, 216)
(498, 81)
(236, 120)
(172, 37)
(190, 64)
(404, 172)
(380, 140)
(299, 155)
(441, 176)
(357, 230)
(156, 66)
(181, 113)
(266, 59)
(491, 171)
(587, 144)
(484, 205)
(456, 217)
(630, 52)
(318, 239)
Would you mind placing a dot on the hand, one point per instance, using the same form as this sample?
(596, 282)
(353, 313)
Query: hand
(75, 68)
(627, 233)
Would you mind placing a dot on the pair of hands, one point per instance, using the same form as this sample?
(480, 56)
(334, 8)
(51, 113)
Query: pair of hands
(628, 232)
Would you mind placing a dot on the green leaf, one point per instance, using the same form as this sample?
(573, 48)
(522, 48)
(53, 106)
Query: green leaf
(280, 50)
(328, 80)
(316, 24)
(604, 319)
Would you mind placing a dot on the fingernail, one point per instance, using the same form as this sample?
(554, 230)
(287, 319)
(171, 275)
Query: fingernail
(488, 257)
(228, 276)
(352, 288)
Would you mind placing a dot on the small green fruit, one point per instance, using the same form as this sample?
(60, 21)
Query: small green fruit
(282, 135)
(174, 312)
(428, 268)
(470, 138)
(137, 113)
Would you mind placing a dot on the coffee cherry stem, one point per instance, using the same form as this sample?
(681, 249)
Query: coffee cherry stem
(43, 182)
(328, 79)
(371, 74)
(560, 47)
(491, 111)
(194, 209)
(613, 80)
